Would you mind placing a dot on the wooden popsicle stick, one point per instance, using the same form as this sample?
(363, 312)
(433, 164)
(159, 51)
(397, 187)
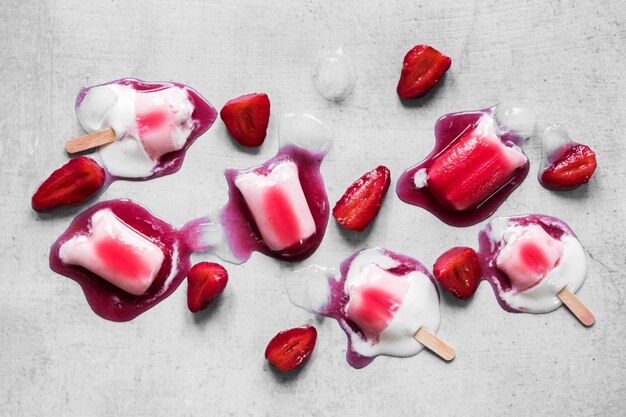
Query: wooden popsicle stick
(576, 306)
(89, 141)
(434, 344)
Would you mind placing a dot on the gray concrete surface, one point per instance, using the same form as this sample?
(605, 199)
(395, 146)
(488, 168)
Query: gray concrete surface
(564, 58)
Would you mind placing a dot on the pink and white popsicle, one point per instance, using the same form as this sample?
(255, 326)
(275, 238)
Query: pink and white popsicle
(278, 205)
(280, 208)
(115, 252)
(529, 260)
(384, 301)
(149, 121)
(125, 258)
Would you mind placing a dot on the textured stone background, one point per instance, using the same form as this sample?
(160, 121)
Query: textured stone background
(564, 58)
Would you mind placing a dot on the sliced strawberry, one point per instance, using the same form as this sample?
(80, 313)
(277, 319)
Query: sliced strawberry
(423, 67)
(574, 168)
(205, 282)
(73, 183)
(246, 118)
(361, 202)
(289, 349)
(458, 271)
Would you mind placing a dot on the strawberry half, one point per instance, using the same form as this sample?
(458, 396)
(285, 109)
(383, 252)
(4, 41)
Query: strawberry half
(361, 202)
(73, 183)
(246, 118)
(458, 272)
(423, 67)
(205, 282)
(289, 349)
(574, 168)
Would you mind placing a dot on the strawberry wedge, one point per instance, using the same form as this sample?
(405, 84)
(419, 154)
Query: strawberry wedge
(458, 271)
(361, 202)
(423, 67)
(291, 348)
(375, 301)
(246, 118)
(73, 183)
(205, 282)
(572, 169)
(473, 168)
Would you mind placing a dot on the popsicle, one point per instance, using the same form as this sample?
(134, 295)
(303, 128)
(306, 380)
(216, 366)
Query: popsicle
(566, 164)
(126, 259)
(280, 208)
(115, 252)
(387, 304)
(476, 163)
(143, 130)
(534, 263)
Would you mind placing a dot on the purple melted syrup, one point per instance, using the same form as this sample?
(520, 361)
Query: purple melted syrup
(241, 231)
(336, 307)
(177, 245)
(448, 129)
(489, 250)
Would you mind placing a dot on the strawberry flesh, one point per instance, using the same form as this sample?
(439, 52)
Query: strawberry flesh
(205, 282)
(572, 169)
(290, 349)
(246, 118)
(458, 271)
(423, 67)
(361, 202)
(73, 183)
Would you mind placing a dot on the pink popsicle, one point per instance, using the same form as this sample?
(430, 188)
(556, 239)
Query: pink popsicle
(473, 167)
(278, 205)
(163, 120)
(528, 256)
(374, 302)
(115, 252)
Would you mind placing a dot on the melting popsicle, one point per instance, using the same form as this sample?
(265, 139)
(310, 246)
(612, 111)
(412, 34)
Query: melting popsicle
(152, 124)
(281, 208)
(476, 163)
(382, 300)
(530, 260)
(126, 259)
